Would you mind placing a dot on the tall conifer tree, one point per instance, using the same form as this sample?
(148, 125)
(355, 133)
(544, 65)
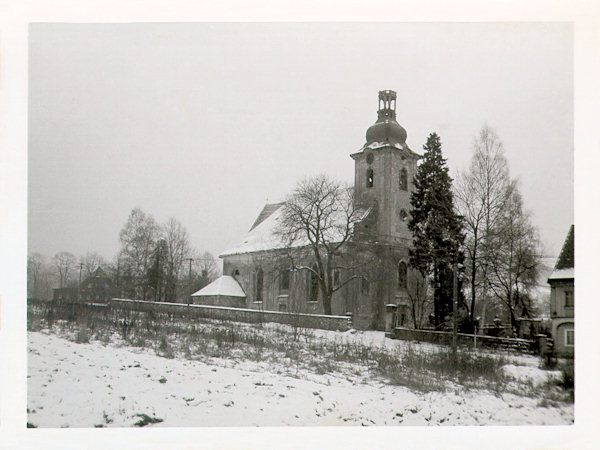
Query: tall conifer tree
(436, 228)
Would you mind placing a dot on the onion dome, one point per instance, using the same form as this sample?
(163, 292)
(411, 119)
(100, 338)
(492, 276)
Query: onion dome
(386, 129)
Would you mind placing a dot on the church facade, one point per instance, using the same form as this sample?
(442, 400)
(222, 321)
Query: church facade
(384, 170)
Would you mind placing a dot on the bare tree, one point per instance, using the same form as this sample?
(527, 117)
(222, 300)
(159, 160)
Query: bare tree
(64, 262)
(178, 250)
(515, 258)
(481, 194)
(35, 268)
(318, 218)
(202, 271)
(91, 261)
(138, 241)
(420, 302)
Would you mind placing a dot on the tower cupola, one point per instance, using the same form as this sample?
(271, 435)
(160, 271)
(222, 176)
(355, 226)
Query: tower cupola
(386, 129)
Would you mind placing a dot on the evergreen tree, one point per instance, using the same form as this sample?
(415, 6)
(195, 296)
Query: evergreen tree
(436, 228)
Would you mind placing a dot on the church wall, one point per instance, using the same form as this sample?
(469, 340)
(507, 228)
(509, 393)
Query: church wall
(366, 300)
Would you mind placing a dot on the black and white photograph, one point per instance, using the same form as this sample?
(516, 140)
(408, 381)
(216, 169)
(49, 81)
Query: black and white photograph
(313, 224)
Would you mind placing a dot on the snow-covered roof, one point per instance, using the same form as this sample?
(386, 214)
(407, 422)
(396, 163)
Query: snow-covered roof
(262, 236)
(224, 285)
(562, 274)
(381, 144)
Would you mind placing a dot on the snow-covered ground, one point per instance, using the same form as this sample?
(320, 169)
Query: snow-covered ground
(96, 384)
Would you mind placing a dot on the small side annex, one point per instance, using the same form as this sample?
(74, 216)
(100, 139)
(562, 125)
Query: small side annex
(224, 291)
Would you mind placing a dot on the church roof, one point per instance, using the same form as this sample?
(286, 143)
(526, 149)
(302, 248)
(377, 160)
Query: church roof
(269, 209)
(263, 236)
(225, 285)
(262, 233)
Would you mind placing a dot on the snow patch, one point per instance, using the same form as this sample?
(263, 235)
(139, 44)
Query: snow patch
(533, 375)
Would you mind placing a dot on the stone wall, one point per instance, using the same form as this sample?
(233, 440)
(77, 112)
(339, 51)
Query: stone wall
(336, 323)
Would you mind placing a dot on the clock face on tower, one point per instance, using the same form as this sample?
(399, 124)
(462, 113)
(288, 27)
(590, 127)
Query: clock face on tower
(369, 158)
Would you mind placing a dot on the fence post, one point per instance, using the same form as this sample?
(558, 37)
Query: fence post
(349, 316)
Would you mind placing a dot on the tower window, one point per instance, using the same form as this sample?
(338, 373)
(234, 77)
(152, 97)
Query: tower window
(403, 215)
(370, 178)
(403, 179)
(402, 275)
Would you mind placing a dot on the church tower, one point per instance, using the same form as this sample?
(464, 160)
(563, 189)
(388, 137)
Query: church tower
(383, 172)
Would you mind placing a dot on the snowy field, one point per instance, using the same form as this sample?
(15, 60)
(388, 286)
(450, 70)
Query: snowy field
(109, 384)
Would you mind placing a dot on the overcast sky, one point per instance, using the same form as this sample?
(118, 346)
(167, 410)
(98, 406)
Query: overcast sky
(206, 122)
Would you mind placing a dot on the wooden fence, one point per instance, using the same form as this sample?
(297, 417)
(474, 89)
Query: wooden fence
(536, 345)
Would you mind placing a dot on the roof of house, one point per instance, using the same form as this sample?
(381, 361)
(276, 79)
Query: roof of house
(565, 265)
(566, 258)
(225, 285)
(562, 274)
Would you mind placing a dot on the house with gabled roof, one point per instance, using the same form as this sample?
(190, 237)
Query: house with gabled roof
(562, 298)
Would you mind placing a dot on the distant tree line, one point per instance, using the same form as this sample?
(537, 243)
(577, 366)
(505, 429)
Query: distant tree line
(155, 262)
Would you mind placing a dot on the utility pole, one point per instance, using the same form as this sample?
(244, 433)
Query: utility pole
(454, 308)
(190, 282)
(118, 277)
(79, 285)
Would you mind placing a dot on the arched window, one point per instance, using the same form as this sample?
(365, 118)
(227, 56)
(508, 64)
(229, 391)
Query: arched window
(364, 286)
(284, 280)
(313, 288)
(402, 275)
(403, 179)
(259, 285)
(370, 178)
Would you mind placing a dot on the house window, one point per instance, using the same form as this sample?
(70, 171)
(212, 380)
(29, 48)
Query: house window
(402, 275)
(284, 280)
(403, 179)
(570, 338)
(258, 297)
(370, 178)
(313, 288)
(569, 303)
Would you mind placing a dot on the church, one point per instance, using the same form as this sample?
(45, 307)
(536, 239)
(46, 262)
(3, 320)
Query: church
(256, 276)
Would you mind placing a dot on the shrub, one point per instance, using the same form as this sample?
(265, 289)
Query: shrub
(83, 336)
(145, 419)
(164, 348)
(567, 379)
